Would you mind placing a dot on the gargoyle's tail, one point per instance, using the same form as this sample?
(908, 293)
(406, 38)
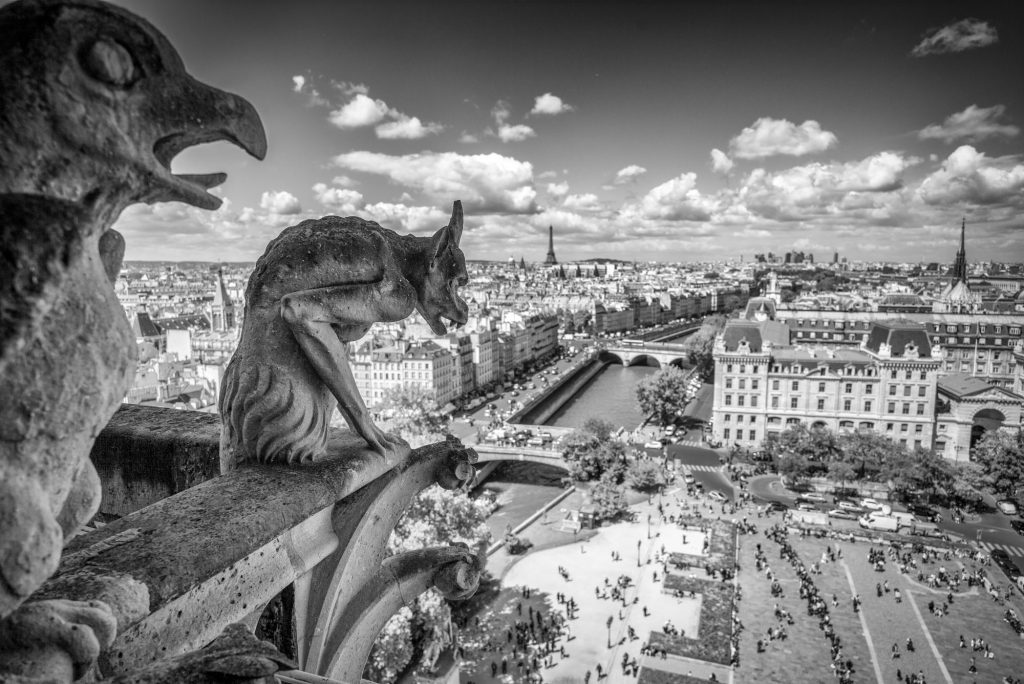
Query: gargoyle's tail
(264, 419)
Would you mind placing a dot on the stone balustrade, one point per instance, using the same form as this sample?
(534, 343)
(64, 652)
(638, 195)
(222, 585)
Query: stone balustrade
(197, 552)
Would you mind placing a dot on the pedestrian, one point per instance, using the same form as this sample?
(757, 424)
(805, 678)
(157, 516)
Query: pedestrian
(494, 669)
(586, 677)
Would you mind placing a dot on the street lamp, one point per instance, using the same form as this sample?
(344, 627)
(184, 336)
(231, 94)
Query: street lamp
(609, 625)
(648, 525)
(638, 553)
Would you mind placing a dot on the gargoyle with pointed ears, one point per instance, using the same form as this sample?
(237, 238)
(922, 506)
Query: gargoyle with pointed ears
(320, 285)
(94, 104)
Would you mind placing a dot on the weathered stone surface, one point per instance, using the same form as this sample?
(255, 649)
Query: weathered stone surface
(146, 454)
(95, 105)
(319, 286)
(235, 656)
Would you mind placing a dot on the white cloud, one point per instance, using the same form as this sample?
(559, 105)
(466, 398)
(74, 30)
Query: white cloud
(407, 128)
(299, 82)
(484, 182)
(516, 133)
(550, 104)
(360, 111)
(969, 176)
(583, 202)
(341, 200)
(720, 162)
(965, 34)
(500, 112)
(344, 182)
(280, 202)
(629, 174)
(974, 123)
(677, 200)
(767, 137)
(468, 138)
(558, 190)
(410, 218)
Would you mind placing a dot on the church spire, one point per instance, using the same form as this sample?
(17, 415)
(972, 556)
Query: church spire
(959, 270)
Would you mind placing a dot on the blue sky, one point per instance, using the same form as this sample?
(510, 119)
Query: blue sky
(642, 130)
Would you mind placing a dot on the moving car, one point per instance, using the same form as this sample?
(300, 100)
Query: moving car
(842, 514)
(776, 506)
(653, 445)
(925, 513)
(812, 497)
(689, 479)
(850, 506)
(717, 495)
(811, 508)
(1018, 526)
(1006, 507)
(670, 430)
(871, 504)
(1002, 559)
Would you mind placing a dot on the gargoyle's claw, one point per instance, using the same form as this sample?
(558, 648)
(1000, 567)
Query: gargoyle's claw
(46, 639)
(458, 471)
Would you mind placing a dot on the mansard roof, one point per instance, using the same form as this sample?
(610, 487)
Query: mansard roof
(898, 333)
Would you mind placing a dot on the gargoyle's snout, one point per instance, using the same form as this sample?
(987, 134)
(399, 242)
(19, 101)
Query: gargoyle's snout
(194, 113)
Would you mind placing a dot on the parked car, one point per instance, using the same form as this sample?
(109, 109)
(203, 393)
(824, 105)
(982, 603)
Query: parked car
(925, 513)
(850, 506)
(689, 479)
(1018, 526)
(804, 506)
(776, 506)
(670, 430)
(535, 441)
(842, 514)
(653, 445)
(871, 504)
(717, 495)
(1007, 507)
(1002, 559)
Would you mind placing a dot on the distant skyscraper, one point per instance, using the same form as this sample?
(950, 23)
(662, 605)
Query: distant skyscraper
(835, 257)
(551, 260)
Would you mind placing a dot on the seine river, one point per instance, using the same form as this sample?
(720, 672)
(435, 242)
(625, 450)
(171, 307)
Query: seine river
(611, 396)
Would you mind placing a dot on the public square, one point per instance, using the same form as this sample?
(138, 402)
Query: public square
(866, 637)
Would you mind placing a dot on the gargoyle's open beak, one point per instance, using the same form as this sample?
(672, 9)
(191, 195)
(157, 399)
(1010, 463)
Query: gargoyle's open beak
(195, 113)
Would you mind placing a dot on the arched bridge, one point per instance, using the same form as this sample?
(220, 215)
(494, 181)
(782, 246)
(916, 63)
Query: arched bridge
(492, 452)
(638, 353)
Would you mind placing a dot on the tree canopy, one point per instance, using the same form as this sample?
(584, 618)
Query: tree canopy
(700, 345)
(412, 412)
(1000, 454)
(663, 394)
(592, 454)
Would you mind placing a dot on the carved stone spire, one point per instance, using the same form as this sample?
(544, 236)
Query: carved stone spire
(959, 270)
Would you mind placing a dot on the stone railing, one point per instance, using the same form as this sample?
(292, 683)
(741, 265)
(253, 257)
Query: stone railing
(204, 551)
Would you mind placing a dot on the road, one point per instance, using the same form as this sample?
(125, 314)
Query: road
(989, 530)
(704, 465)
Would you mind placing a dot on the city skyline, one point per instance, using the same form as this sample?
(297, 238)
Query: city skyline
(646, 132)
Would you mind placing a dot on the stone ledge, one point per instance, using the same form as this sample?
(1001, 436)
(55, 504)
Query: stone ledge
(146, 454)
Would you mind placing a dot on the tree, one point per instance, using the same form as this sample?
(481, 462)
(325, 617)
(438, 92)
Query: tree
(591, 453)
(663, 394)
(609, 499)
(869, 452)
(700, 345)
(412, 412)
(393, 650)
(841, 471)
(645, 475)
(816, 444)
(1000, 453)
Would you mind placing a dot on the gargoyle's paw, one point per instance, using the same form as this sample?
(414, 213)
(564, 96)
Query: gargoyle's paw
(42, 632)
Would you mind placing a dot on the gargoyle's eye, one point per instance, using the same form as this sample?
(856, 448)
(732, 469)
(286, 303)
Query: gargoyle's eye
(110, 62)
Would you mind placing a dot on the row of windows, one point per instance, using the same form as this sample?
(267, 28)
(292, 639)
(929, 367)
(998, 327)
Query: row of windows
(726, 434)
(922, 390)
(739, 418)
(740, 400)
(982, 328)
(754, 384)
(742, 368)
(936, 327)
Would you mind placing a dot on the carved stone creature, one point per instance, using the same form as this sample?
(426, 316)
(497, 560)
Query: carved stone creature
(320, 285)
(94, 104)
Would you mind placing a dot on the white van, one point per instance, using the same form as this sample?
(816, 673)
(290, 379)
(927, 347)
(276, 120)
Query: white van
(877, 521)
(906, 519)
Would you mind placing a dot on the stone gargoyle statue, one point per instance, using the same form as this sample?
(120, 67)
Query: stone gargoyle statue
(94, 105)
(320, 285)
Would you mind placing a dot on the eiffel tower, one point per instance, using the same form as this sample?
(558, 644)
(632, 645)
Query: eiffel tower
(551, 260)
